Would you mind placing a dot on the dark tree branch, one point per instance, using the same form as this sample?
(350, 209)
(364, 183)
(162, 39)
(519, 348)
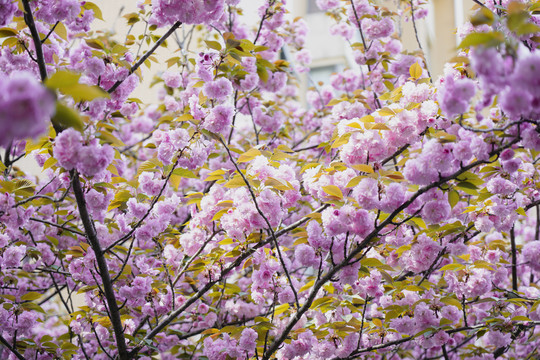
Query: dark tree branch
(514, 260)
(102, 266)
(11, 348)
(29, 20)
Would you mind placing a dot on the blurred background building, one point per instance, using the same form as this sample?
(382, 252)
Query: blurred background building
(437, 34)
(330, 54)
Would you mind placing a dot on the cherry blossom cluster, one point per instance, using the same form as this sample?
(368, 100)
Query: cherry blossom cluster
(385, 213)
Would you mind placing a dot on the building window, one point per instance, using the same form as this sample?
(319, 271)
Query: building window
(321, 74)
(312, 7)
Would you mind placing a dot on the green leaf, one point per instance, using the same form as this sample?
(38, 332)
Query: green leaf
(67, 82)
(62, 79)
(7, 32)
(31, 296)
(83, 92)
(333, 190)
(487, 39)
(97, 11)
(185, 173)
(453, 198)
(65, 117)
(213, 45)
(452, 267)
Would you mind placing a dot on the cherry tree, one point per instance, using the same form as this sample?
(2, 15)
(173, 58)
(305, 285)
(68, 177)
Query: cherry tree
(393, 217)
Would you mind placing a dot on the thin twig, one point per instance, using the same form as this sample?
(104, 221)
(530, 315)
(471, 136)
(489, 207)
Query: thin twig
(50, 32)
(418, 40)
(58, 226)
(141, 61)
(270, 228)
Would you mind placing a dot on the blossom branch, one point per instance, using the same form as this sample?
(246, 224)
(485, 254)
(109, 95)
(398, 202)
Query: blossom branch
(247, 253)
(152, 204)
(270, 228)
(360, 247)
(265, 16)
(141, 61)
(50, 32)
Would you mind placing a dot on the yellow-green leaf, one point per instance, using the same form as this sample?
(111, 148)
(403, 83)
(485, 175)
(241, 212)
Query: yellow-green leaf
(342, 140)
(62, 79)
(7, 32)
(451, 301)
(31, 296)
(363, 168)
(520, 318)
(333, 190)
(49, 162)
(486, 39)
(249, 155)
(83, 92)
(387, 112)
(213, 45)
(281, 309)
(65, 117)
(453, 198)
(415, 71)
(185, 173)
(452, 267)
(97, 11)
(483, 16)
(307, 286)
